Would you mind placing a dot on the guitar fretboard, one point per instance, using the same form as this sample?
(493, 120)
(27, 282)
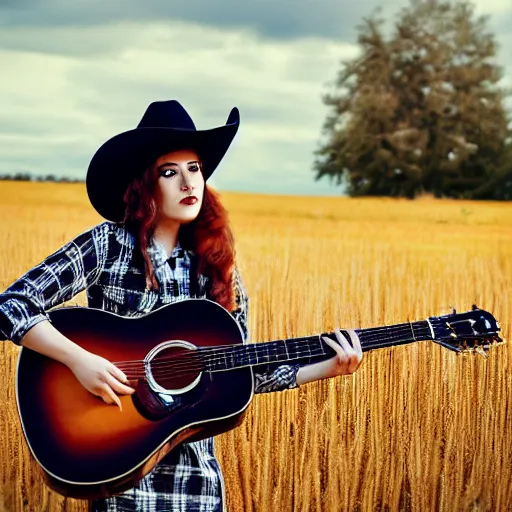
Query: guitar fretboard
(310, 348)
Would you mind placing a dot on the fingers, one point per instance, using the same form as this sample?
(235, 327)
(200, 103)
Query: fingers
(355, 350)
(117, 386)
(113, 379)
(347, 347)
(356, 342)
(349, 355)
(340, 352)
(110, 397)
(117, 373)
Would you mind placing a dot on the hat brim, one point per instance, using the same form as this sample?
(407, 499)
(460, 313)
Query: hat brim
(127, 155)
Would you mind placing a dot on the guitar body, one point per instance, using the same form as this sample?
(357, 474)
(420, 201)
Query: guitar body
(87, 448)
(191, 352)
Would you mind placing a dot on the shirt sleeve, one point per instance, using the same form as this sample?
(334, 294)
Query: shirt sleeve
(58, 278)
(268, 378)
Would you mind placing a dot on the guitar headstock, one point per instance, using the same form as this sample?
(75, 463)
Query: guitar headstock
(473, 331)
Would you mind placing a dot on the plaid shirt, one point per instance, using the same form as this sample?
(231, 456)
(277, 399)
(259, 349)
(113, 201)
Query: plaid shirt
(106, 262)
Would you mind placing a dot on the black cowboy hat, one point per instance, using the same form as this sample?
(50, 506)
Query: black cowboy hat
(165, 126)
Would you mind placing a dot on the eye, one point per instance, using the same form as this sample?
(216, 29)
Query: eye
(167, 173)
(194, 168)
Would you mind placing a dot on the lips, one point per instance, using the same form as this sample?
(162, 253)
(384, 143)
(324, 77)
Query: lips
(189, 200)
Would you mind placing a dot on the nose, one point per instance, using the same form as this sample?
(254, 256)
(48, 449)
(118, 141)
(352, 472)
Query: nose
(185, 182)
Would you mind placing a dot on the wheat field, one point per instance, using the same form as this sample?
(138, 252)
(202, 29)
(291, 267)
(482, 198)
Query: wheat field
(415, 428)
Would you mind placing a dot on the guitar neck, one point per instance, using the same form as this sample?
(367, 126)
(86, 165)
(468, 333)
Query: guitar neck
(310, 349)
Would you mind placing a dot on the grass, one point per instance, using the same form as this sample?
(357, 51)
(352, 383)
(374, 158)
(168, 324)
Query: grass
(415, 428)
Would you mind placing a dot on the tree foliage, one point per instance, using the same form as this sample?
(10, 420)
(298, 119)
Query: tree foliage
(499, 186)
(420, 111)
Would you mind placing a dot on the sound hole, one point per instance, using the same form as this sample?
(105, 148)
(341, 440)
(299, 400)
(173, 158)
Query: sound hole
(175, 368)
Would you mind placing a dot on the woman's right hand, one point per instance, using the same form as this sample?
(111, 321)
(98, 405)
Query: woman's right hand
(100, 377)
(95, 373)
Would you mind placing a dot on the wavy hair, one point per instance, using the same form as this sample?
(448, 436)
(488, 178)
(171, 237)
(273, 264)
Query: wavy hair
(209, 235)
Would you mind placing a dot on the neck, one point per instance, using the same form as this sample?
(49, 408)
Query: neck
(310, 349)
(166, 234)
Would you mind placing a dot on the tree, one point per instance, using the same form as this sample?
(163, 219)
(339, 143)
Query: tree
(22, 176)
(499, 185)
(419, 112)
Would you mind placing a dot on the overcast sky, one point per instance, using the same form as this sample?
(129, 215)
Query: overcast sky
(77, 72)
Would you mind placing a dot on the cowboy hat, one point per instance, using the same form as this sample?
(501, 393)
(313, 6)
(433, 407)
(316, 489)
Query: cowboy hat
(165, 126)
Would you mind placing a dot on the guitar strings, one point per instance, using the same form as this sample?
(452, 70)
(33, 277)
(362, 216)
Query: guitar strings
(186, 363)
(181, 361)
(181, 369)
(220, 350)
(197, 367)
(365, 339)
(187, 369)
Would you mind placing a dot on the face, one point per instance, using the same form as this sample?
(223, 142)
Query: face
(178, 176)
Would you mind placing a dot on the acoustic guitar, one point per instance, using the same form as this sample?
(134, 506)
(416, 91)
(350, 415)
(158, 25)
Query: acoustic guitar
(193, 378)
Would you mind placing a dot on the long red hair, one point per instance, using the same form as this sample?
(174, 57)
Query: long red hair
(209, 235)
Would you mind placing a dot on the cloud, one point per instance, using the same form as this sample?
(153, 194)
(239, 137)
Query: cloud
(275, 19)
(57, 110)
(283, 19)
(271, 18)
(79, 72)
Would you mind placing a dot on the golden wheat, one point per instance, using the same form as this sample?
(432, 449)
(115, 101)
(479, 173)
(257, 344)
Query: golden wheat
(415, 428)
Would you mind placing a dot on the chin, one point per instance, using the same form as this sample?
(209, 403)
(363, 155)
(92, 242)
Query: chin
(180, 216)
(188, 220)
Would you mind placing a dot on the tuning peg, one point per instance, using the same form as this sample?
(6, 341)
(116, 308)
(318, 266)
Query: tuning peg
(448, 310)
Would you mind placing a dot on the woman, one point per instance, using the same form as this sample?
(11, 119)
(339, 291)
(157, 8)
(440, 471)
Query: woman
(166, 238)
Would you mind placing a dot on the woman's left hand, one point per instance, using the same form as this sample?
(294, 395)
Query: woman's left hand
(347, 359)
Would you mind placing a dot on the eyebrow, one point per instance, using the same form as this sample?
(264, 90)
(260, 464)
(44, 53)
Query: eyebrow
(174, 163)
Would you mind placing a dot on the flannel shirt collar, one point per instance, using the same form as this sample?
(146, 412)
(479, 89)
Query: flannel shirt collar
(156, 251)
(158, 254)
(163, 264)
